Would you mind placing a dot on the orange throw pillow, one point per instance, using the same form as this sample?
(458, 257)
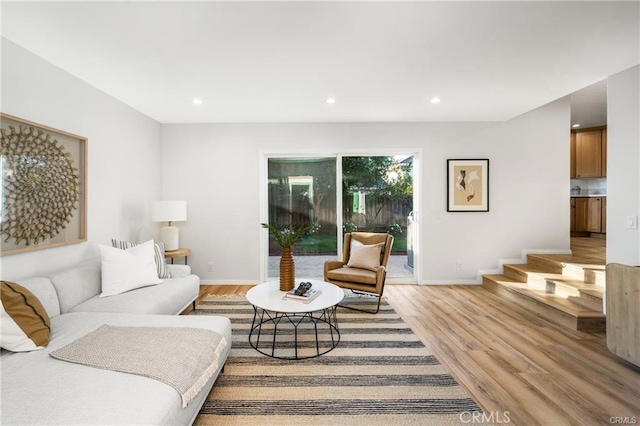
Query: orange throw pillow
(25, 323)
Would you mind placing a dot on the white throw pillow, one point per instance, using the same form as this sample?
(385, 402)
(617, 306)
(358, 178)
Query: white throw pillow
(124, 270)
(364, 256)
(161, 263)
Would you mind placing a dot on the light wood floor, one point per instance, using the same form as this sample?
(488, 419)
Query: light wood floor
(592, 250)
(512, 360)
(515, 364)
(584, 250)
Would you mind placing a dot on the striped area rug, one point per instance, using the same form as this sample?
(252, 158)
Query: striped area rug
(379, 374)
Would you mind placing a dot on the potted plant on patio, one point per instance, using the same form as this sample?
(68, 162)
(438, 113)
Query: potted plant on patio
(286, 238)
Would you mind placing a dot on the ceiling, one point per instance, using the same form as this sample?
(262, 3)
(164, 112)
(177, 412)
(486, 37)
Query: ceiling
(381, 61)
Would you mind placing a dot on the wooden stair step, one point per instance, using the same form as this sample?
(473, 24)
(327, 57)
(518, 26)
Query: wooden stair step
(545, 262)
(578, 285)
(557, 301)
(587, 295)
(569, 265)
(597, 293)
(538, 277)
(553, 307)
(589, 273)
(533, 276)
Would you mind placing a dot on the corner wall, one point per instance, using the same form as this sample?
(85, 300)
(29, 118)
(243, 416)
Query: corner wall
(623, 166)
(216, 168)
(124, 155)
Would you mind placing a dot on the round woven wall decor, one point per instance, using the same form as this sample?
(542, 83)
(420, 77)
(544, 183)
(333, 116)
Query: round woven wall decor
(40, 185)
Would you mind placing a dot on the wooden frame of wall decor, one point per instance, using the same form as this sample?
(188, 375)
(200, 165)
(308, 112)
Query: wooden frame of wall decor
(468, 185)
(43, 174)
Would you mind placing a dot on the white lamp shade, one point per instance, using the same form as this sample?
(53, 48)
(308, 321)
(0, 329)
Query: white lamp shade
(169, 211)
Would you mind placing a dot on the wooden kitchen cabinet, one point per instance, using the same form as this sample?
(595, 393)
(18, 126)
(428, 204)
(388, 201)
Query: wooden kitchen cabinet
(604, 153)
(603, 227)
(588, 154)
(572, 145)
(589, 214)
(581, 209)
(594, 216)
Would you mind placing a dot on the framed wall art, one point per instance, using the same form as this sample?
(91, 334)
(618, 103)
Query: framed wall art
(468, 185)
(44, 186)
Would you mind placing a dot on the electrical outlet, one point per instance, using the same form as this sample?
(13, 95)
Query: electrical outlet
(210, 267)
(459, 266)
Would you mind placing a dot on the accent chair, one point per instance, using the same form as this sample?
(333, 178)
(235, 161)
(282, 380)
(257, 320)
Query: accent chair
(363, 268)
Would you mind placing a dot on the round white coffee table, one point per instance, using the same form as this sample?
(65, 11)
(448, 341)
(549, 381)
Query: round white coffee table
(291, 329)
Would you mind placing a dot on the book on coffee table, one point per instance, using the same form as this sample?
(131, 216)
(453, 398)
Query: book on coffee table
(306, 297)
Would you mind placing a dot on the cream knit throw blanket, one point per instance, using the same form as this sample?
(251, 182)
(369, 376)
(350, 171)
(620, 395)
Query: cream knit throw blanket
(183, 358)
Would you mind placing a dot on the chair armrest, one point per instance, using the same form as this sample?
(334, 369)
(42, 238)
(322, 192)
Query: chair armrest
(381, 275)
(332, 264)
(179, 271)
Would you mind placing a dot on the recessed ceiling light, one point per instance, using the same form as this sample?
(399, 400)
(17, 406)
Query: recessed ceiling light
(331, 100)
(435, 100)
(197, 101)
(575, 125)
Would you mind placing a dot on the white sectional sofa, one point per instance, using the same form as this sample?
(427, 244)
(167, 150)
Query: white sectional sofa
(38, 389)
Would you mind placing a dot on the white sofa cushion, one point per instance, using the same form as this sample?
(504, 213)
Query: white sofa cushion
(77, 284)
(170, 297)
(71, 394)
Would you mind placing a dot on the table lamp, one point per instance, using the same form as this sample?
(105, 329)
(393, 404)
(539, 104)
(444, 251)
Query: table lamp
(169, 211)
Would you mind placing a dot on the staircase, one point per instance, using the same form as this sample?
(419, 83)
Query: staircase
(564, 292)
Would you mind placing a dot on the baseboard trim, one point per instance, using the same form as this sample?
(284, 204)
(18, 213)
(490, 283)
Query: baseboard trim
(229, 282)
(401, 281)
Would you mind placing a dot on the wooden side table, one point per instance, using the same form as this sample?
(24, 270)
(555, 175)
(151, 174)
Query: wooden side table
(181, 252)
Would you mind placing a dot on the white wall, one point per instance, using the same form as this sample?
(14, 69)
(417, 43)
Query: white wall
(124, 155)
(623, 166)
(215, 167)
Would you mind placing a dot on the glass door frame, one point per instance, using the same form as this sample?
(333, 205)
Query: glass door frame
(338, 155)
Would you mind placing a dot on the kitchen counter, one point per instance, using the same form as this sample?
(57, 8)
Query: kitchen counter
(587, 195)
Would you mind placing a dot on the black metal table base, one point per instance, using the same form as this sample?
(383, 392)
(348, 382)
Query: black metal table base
(323, 322)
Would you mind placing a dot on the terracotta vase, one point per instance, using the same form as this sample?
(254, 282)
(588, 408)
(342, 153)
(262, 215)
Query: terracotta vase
(287, 269)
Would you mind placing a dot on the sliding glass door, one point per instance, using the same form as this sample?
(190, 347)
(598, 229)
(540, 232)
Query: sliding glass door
(302, 192)
(339, 194)
(377, 196)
